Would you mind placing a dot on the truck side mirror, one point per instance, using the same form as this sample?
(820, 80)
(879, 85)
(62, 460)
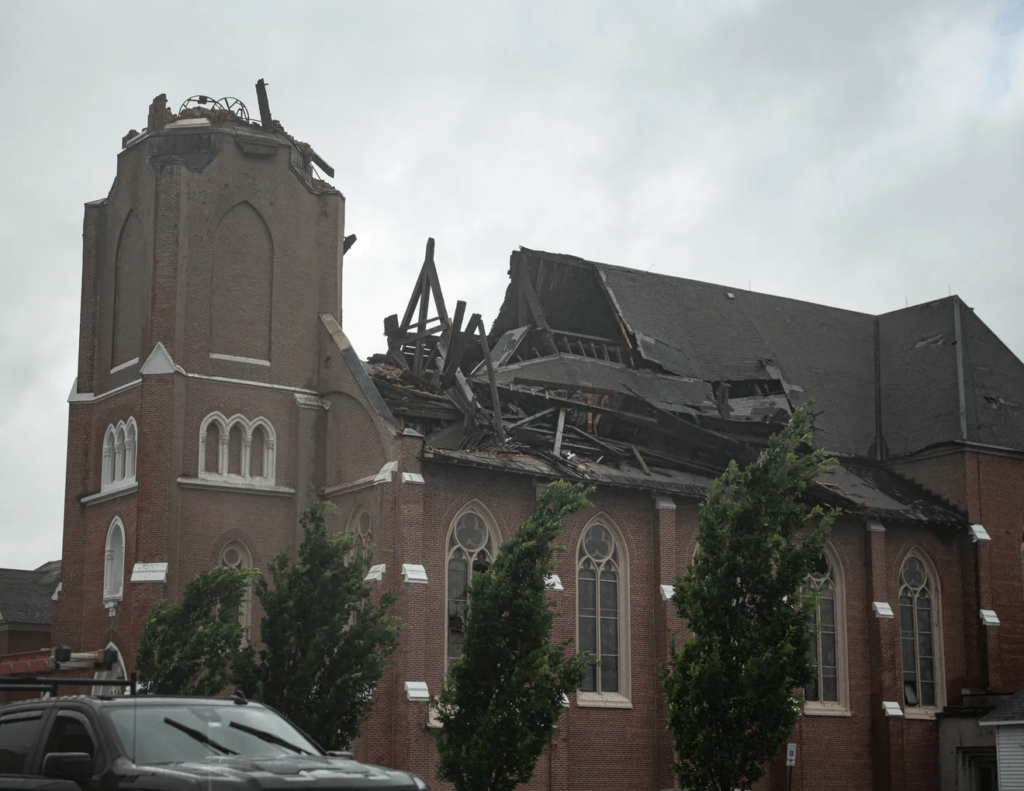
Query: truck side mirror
(67, 766)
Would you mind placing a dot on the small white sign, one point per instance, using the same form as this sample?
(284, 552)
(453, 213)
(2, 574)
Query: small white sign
(791, 754)
(882, 609)
(376, 573)
(414, 572)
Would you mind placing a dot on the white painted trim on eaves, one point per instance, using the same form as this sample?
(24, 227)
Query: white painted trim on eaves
(235, 359)
(79, 398)
(122, 366)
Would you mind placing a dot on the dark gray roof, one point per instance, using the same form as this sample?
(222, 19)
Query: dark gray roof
(696, 329)
(1010, 710)
(910, 389)
(26, 597)
(918, 377)
(993, 385)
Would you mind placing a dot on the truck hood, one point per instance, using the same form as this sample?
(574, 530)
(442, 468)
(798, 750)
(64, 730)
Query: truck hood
(291, 772)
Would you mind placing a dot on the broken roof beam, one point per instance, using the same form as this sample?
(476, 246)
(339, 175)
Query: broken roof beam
(456, 346)
(476, 323)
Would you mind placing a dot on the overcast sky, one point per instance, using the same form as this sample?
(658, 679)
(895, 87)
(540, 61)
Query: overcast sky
(863, 154)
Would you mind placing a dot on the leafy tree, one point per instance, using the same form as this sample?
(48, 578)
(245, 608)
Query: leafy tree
(730, 688)
(195, 648)
(326, 642)
(499, 704)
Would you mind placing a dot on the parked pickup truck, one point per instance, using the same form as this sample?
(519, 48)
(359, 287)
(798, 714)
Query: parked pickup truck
(159, 743)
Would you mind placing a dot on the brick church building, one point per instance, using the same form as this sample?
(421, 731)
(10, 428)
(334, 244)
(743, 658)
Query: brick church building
(217, 395)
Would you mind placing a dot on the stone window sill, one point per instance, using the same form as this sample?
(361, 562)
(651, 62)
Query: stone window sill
(241, 486)
(815, 709)
(603, 700)
(919, 712)
(119, 490)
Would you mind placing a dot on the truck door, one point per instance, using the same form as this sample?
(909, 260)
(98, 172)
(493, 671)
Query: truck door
(20, 735)
(69, 732)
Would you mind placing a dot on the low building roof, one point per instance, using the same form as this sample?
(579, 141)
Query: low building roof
(26, 596)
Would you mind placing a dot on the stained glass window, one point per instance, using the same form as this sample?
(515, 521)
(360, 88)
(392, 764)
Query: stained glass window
(470, 551)
(917, 643)
(597, 579)
(823, 648)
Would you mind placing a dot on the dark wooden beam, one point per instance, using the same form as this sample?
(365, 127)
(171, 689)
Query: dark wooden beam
(477, 323)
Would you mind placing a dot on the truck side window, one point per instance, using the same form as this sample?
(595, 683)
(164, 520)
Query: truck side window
(19, 733)
(70, 735)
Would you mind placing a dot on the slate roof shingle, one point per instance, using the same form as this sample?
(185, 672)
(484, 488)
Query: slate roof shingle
(26, 595)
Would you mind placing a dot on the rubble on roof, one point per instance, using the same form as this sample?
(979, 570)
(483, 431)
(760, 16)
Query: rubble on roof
(582, 398)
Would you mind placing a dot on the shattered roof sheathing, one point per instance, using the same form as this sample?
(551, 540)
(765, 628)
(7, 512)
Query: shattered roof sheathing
(627, 378)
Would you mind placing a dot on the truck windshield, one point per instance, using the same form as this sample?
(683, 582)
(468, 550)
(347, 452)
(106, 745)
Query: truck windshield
(160, 734)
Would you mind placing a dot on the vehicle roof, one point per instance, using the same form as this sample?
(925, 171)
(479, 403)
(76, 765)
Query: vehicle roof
(130, 700)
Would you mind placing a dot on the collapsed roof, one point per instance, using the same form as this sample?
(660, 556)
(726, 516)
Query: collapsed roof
(600, 373)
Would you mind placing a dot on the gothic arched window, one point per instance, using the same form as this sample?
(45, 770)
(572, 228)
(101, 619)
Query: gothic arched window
(238, 450)
(237, 556)
(113, 566)
(120, 449)
(602, 612)
(827, 638)
(920, 633)
(472, 546)
(361, 525)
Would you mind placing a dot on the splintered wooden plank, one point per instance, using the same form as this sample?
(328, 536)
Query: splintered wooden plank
(639, 458)
(526, 291)
(477, 323)
(456, 345)
(558, 431)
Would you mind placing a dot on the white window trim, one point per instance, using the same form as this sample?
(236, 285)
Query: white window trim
(624, 697)
(224, 426)
(120, 455)
(840, 708)
(481, 510)
(938, 644)
(109, 559)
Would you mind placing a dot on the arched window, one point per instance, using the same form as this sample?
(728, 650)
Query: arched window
(120, 450)
(828, 692)
(237, 449)
(920, 633)
(108, 458)
(113, 569)
(602, 610)
(360, 524)
(130, 446)
(117, 672)
(236, 555)
(472, 545)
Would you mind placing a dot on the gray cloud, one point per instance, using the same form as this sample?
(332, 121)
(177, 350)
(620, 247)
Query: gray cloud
(863, 155)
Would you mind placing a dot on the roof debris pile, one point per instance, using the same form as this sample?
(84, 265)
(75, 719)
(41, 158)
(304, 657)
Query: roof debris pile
(565, 386)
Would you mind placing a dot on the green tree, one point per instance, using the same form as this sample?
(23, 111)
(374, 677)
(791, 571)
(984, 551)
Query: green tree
(500, 702)
(326, 642)
(731, 703)
(195, 648)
